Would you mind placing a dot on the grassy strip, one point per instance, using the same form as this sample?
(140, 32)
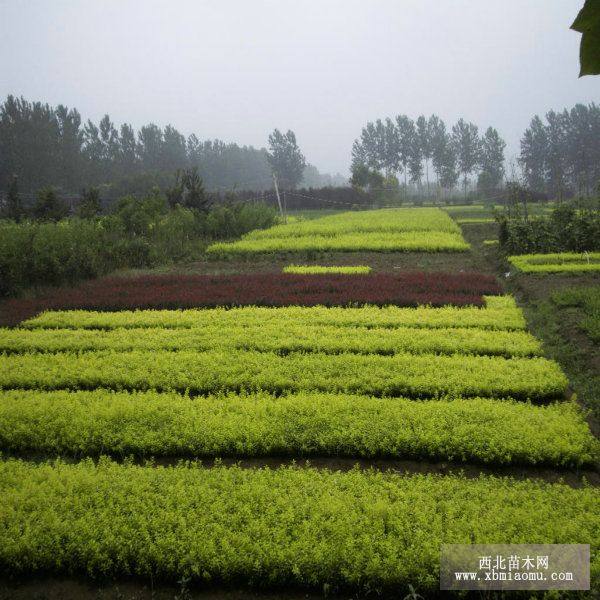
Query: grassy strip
(475, 220)
(285, 526)
(586, 298)
(318, 270)
(422, 375)
(565, 262)
(305, 424)
(410, 241)
(490, 242)
(501, 312)
(556, 328)
(387, 221)
(276, 337)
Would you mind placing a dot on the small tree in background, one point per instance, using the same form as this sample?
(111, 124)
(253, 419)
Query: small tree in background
(14, 208)
(194, 195)
(89, 206)
(175, 193)
(363, 177)
(286, 159)
(49, 207)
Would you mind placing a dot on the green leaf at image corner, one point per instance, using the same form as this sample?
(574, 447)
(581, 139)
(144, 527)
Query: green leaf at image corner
(588, 24)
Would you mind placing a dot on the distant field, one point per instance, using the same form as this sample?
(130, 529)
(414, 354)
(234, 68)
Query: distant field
(478, 213)
(385, 230)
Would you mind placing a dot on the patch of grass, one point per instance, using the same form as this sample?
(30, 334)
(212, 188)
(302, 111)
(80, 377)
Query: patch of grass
(588, 300)
(475, 220)
(552, 325)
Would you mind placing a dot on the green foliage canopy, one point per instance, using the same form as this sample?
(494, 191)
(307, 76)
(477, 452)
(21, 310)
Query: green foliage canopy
(588, 24)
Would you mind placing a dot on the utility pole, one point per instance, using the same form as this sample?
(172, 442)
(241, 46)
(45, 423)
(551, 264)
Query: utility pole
(283, 216)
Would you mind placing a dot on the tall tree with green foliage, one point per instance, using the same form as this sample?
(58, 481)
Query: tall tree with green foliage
(424, 130)
(391, 159)
(465, 139)
(556, 157)
(415, 160)
(127, 158)
(406, 134)
(14, 208)
(285, 158)
(533, 155)
(69, 144)
(491, 162)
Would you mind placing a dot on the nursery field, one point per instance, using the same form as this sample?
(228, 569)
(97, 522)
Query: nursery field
(119, 397)
(385, 230)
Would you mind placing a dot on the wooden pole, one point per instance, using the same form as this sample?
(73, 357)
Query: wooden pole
(283, 216)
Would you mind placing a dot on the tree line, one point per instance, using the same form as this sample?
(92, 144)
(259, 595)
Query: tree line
(560, 156)
(420, 150)
(51, 146)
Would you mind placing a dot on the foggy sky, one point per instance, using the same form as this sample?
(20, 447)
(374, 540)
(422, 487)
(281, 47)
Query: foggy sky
(235, 69)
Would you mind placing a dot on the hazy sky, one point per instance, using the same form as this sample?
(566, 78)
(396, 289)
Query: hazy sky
(235, 69)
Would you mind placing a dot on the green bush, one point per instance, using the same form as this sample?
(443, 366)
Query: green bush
(52, 253)
(49, 207)
(234, 219)
(568, 228)
(138, 233)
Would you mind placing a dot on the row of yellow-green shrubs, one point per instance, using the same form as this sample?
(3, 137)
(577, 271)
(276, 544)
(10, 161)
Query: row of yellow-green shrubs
(416, 375)
(360, 529)
(500, 312)
(410, 241)
(564, 262)
(282, 338)
(322, 270)
(90, 423)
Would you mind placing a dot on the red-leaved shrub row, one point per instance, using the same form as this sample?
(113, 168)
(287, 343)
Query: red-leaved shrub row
(263, 289)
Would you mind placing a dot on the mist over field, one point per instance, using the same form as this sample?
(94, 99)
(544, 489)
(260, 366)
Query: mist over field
(235, 70)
